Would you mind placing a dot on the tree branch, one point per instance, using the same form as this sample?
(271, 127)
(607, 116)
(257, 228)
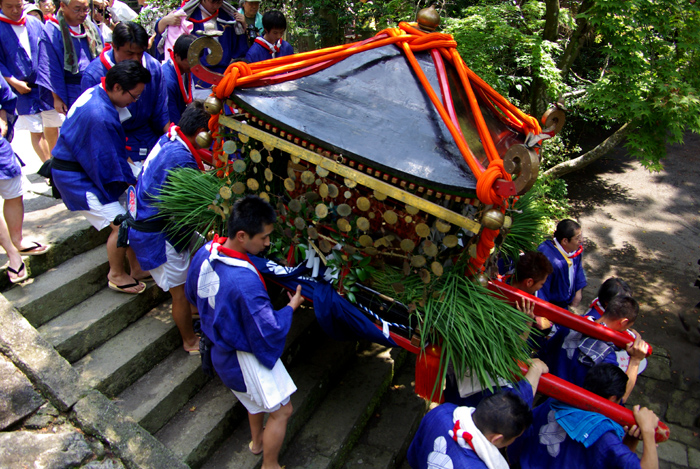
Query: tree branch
(589, 157)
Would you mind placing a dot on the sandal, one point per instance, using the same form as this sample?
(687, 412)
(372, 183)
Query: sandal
(32, 251)
(19, 277)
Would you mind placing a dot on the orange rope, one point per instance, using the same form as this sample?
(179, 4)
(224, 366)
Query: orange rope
(409, 40)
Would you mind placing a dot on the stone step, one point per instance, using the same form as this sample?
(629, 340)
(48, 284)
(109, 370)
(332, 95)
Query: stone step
(390, 430)
(337, 423)
(61, 288)
(194, 436)
(91, 323)
(123, 359)
(314, 374)
(48, 221)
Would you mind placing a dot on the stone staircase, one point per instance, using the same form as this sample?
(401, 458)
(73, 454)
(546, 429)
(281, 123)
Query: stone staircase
(354, 406)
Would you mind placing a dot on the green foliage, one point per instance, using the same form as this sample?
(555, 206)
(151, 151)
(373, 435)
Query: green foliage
(529, 226)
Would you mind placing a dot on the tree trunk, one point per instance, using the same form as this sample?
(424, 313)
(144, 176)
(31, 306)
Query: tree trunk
(589, 157)
(538, 96)
(573, 48)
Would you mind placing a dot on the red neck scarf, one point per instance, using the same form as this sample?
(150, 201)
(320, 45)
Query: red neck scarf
(70, 28)
(271, 48)
(236, 255)
(578, 252)
(22, 21)
(188, 78)
(103, 58)
(190, 147)
(466, 435)
(205, 19)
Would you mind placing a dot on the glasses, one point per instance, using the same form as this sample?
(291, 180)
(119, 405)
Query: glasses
(135, 98)
(77, 11)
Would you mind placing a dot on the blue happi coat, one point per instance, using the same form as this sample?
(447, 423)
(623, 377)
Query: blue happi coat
(547, 445)
(432, 445)
(234, 45)
(557, 289)
(236, 315)
(93, 137)
(176, 102)
(258, 53)
(149, 115)
(166, 155)
(51, 74)
(9, 166)
(16, 63)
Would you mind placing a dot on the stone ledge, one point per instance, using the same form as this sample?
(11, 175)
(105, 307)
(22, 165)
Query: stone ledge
(98, 416)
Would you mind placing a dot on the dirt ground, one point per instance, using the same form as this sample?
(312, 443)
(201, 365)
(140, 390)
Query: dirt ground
(643, 227)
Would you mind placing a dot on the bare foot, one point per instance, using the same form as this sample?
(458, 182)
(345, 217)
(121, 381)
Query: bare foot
(191, 348)
(31, 248)
(256, 450)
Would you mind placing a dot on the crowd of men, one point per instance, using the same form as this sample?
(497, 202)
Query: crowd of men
(111, 106)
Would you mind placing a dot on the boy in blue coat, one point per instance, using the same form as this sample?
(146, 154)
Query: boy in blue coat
(564, 286)
(246, 333)
(165, 256)
(270, 45)
(178, 78)
(565, 437)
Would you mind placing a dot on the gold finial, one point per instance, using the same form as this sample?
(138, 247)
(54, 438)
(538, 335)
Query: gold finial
(428, 19)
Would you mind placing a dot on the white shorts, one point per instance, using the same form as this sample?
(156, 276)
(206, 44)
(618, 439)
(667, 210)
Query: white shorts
(101, 216)
(254, 408)
(136, 168)
(12, 188)
(174, 272)
(35, 123)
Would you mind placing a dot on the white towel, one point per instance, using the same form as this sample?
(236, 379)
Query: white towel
(483, 448)
(266, 387)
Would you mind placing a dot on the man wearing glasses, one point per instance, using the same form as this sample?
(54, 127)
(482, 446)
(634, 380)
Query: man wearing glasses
(90, 167)
(148, 118)
(67, 44)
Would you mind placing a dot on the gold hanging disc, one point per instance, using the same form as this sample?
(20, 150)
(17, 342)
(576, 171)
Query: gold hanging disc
(267, 188)
(430, 249)
(422, 230)
(311, 231)
(366, 241)
(291, 173)
(325, 246)
(344, 210)
(323, 190)
(363, 203)
(239, 166)
(363, 224)
(371, 215)
(418, 261)
(450, 241)
(264, 196)
(442, 226)
(225, 192)
(243, 137)
(294, 205)
(437, 269)
(255, 169)
(269, 159)
(307, 177)
(268, 174)
(321, 211)
(408, 219)
(407, 245)
(238, 188)
(344, 225)
(269, 145)
(252, 184)
(289, 185)
(379, 195)
(424, 275)
(295, 159)
(255, 156)
(472, 250)
(347, 194)
(390, 217)
(412, 210)
(371, 250)
(349, 183)
(299, 223)
(323, 172)
(333, 191)
(229, 147)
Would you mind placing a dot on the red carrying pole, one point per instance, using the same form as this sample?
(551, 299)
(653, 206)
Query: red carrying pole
(573, 395)
(563, 317)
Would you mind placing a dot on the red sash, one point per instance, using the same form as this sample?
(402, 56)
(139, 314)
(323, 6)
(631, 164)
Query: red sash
(104, 59)
(275, 48)
(187, 98)
(189, 145)
(53, 19)
(22, 21)
(205, 19)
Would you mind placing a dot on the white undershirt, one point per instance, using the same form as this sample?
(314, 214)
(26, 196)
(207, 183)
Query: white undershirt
(22, 35)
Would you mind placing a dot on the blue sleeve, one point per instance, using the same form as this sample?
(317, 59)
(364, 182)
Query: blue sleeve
(50, 67)
(4, 71)
(610, 451)
(523, 388)
(91, 75)
(8, 99)
(580, 279)
(173, 99)
(161, 116)
(286, 49)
